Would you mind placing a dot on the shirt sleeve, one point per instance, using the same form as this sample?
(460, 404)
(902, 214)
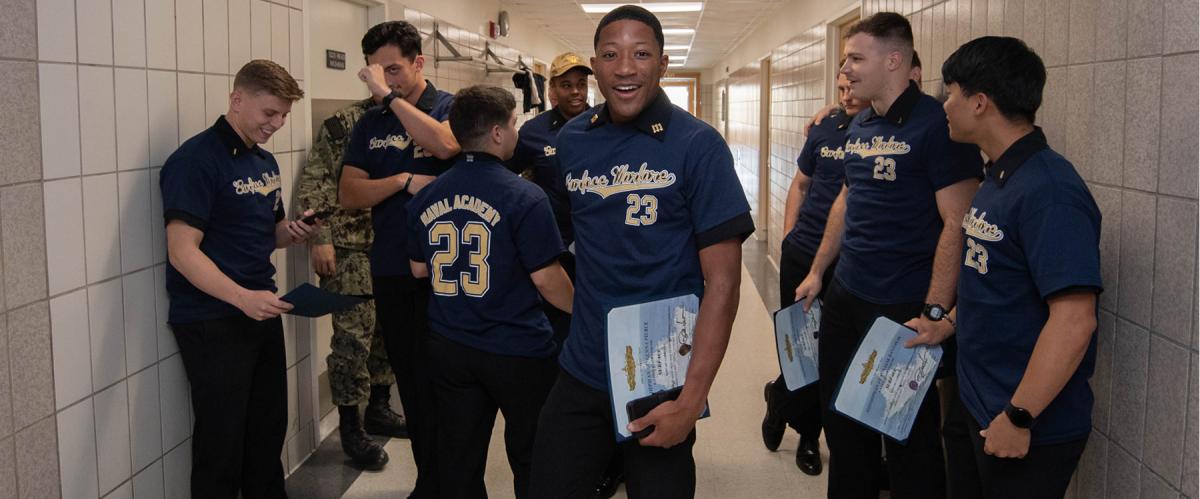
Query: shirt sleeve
(950, 162)
(356, 148)
(189, 188)
(318, 186)
(714, 195)
(536, 235)
(807, 160)
(1062, 245)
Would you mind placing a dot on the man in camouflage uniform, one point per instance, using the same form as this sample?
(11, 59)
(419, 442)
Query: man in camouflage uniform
(339, 256)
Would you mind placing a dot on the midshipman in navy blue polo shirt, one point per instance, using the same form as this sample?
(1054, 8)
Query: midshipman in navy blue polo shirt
(817, 183)
(1030, 275)
(895, 230)
(488, 241)
(658, 212)
(394, 151)
(224, 212)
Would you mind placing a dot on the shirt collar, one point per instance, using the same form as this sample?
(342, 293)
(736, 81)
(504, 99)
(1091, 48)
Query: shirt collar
(480, 157)
(1016, 155)
(653, 120)
(557, 120)
(903, 106)
(843, 119)
(231, 140)
(427, 101)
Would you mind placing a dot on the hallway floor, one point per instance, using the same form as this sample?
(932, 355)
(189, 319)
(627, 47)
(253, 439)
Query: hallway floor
(731, 461)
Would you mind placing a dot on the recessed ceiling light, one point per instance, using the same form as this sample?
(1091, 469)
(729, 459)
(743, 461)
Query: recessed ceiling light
(679, 31)
(604, 8)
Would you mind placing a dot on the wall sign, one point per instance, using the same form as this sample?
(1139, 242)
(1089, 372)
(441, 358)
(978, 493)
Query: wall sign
(335, 59)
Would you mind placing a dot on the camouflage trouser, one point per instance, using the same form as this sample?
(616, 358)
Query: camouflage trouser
(359, 359)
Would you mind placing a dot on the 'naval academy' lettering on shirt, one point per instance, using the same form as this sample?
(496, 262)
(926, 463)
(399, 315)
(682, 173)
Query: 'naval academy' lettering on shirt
(399, 141)
(838, 153)
(877, 147)
(270, 183)
(461, 202)
(622, 180)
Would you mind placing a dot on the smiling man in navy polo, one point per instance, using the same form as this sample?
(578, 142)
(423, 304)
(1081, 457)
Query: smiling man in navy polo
(394, 151)
(658, 212)
(1030, 275)
(895, 227)
(223, 208)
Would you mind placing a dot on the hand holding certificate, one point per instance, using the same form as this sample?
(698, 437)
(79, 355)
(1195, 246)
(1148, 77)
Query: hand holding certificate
(796, 343)
(649, 348)
(885, 382)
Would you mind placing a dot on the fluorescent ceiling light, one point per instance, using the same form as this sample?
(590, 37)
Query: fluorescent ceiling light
(678, 62)
(679, 31)
(658, 7)
(676, 47)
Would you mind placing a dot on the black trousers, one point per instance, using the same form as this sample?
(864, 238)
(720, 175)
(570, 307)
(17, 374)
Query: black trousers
(238, 374)
(962, 475)
(916, 468)
(560, 321)
(1044, 472)
(801, 408)
(469, 386)
(402, 313)
(576, 439)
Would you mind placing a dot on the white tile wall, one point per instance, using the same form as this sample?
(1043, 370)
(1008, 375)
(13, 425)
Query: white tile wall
(63, 202)
(56, 30)
(145, 419)
(189, 35)
(129, 32)
(101, 227)
(134, 201)
(60, 127)
(107, 325)
(122, 84)
(141, 334)
(149, 482)
(96, 120)
(95, 30)
(191, 106)
(71, 349)
(161, 96)
(112, 436)
(133, 127)
(160, 34)
(77, 450)
(216, 37)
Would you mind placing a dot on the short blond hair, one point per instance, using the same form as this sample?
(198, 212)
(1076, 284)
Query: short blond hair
(261, 75)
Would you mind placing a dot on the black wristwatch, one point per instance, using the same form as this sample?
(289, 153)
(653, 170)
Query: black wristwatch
(387, 99)
(1019, 417)
(934, 312)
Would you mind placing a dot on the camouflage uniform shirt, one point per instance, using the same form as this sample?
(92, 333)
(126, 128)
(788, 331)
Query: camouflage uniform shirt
(318, 187)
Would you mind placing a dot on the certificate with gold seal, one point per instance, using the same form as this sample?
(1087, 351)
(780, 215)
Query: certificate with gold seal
(649, 347)
(796, 343)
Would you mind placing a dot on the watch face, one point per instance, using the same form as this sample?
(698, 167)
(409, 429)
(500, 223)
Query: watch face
(934, 312)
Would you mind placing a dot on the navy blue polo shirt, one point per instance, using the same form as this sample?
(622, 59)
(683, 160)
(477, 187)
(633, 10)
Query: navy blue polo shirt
(646, 197)
(380, 146)
(481, 230)
(230, 191)
(1033, 231)
(537, 150)
(821, 160)
(894, 166)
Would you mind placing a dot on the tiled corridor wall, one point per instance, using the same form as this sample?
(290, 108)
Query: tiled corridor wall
(797, 92)
(1120, 103)
(743, 122)
(97, 94)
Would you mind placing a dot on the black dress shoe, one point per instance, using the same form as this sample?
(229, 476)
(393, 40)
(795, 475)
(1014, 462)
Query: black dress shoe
(772, 423)
(608, 485)
(808, 457)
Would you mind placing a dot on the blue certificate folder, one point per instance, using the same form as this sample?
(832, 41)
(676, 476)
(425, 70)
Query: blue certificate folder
(886, 382)
(649, 347)
(310, 301)
(796, 343)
